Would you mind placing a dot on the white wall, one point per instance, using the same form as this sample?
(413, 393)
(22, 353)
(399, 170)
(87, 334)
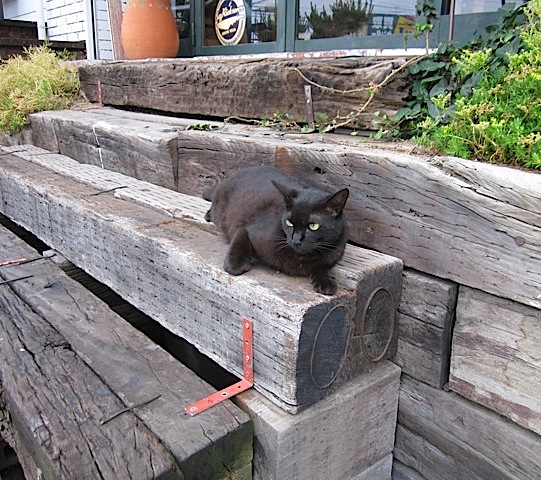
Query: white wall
(66, 20)
(20, 10)
(103, 31)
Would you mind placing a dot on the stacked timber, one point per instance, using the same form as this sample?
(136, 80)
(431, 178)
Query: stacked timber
(471, 223)
(469, 233)
(85, 395)
(314, 356)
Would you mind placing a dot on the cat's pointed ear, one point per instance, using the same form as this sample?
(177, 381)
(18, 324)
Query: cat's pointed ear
(288, 193)
(336, 202)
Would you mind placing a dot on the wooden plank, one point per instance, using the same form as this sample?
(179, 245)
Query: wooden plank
(421, 456)
(426, 313)
(443, 436)
(134, 370)
(143, 150)
(349, 434)
(306, 344)
(428, 299)
(475, 224)
(403, 472)
(426, 364)
(114, 8)
(495, 359)
(439, 223)
(56, 401)
(223, 88)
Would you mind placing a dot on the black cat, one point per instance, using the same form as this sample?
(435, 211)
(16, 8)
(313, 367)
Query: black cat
(268, 215)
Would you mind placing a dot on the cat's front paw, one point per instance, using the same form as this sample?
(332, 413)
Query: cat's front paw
(236, 268)
(324, 285)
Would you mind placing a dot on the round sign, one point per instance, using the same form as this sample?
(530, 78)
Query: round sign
(230, 21)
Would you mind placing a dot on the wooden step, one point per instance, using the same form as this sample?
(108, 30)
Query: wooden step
(151, 245)
(18, 30)
(252, 87)
(71, 369)
(451, 218)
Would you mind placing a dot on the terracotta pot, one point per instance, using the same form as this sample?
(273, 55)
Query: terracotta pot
(149, 30)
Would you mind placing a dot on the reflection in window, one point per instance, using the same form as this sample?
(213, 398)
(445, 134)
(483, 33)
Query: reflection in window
(181, 12)
(343, 18)
(259, 24)
(478, 6)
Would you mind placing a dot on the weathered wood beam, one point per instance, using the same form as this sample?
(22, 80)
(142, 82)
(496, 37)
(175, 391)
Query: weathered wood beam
(473, 223)
(83, 364)
(426, 314)
(441, 435)
(144, 150)
(251, 88)
(130, 235)
(349, 434)
(55, 403)
(495, 359)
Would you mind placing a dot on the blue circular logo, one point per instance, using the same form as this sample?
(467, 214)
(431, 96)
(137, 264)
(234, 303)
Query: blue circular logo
(230, 21)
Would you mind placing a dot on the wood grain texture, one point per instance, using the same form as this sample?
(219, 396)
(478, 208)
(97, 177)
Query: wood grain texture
(252, 88)
(473, 223)
(403, 472)
(144, 150)
(495, 359)
(133, 370)
(426, 314)
(443, 436)
(172, 270)
(443, 224)
(349, 434)
(55, 403)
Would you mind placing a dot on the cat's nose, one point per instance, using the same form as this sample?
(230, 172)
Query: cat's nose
(297, 239)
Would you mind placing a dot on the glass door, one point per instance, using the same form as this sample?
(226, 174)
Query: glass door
(239, 27)
(235, 27)
(182, 11)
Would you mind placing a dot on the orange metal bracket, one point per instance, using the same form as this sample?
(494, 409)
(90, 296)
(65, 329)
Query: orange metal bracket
(248, 375)
(14, 262)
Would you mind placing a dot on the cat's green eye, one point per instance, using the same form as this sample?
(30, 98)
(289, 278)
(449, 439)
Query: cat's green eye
(288, 223)
(313, 226)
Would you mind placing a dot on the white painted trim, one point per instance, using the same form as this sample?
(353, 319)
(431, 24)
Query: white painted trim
(90, 28)
(41, 16)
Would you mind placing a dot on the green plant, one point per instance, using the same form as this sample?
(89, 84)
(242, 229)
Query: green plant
(35, 81)
(279, 121)
(426, 9)
(202, 127)
(486, 104)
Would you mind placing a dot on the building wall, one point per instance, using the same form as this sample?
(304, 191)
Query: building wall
(20, 10)
(66, 20)
(104, 44)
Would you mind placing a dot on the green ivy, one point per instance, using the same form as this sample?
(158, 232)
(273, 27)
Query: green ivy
(483, 101)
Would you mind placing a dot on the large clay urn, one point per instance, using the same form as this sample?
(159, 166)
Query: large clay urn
(149, 30)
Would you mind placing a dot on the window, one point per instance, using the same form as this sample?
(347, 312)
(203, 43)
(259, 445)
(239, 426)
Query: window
(233, 22)
(354, 18)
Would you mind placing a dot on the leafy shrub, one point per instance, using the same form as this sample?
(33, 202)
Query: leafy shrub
(36, 81)
(483, 101)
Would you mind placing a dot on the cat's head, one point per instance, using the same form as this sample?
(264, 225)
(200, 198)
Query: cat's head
(313, 220)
